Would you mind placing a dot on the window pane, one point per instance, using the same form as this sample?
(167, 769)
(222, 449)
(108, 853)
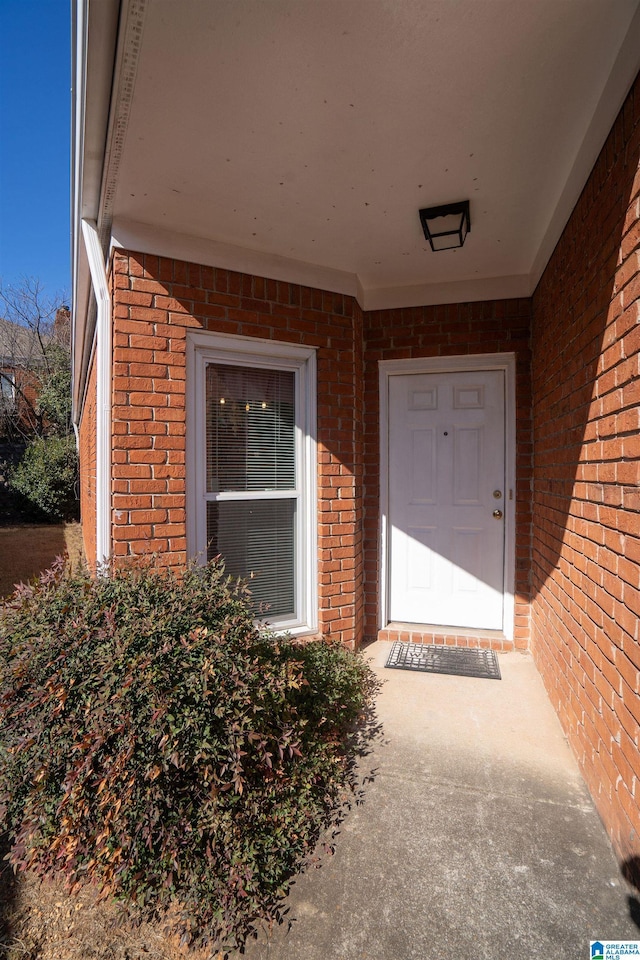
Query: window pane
(250, 429)
(256, 538)
(7, 386)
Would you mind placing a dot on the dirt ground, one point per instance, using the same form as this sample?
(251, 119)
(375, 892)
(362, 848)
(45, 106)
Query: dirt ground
(43, 922)
(28, 549)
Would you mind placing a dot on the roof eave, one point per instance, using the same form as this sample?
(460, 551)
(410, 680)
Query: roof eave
(95, 35)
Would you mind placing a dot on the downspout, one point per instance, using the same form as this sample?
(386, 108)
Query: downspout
(100, 286)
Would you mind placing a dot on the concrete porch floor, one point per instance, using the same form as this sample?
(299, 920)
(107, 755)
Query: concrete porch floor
(477, 837)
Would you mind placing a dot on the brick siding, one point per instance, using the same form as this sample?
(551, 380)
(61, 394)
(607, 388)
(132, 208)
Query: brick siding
(586, 548)
(155, 302)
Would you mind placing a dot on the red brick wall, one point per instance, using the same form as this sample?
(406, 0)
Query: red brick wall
(155, 302)
(148, 415)
(450, 330)
(358, 471)
(27, 384)
(87, 435)
(586, 548)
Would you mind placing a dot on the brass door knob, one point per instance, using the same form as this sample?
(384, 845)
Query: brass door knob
(497, 514)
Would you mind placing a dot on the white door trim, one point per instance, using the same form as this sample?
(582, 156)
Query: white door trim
(483, 361)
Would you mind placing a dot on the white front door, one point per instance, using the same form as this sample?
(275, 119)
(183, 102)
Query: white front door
(446, 480)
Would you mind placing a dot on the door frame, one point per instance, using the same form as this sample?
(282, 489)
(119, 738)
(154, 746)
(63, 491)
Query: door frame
(505, 362)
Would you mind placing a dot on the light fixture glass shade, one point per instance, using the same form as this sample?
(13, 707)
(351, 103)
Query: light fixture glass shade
(446, 227)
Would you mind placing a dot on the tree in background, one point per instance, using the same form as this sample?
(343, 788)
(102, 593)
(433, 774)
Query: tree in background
(35, 388)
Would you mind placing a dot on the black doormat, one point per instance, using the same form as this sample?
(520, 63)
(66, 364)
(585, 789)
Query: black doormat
(435, 658)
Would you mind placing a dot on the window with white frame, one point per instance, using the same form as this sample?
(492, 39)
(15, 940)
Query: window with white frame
(7, 388)
(252, 468)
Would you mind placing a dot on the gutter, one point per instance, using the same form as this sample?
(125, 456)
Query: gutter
(103, 384)
(106, 34)
(95, 25)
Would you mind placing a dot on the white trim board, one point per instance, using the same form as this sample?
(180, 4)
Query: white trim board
(145, 238)
(487, 361)
(103, 390)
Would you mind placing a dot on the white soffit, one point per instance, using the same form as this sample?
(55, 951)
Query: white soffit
(299, 139)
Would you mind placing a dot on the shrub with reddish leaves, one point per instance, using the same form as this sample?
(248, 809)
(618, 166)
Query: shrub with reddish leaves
(156, 742)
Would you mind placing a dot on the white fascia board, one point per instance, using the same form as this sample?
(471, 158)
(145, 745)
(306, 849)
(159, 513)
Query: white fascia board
(95, 29)
(458, 291)
(80, 286)
(146, 238)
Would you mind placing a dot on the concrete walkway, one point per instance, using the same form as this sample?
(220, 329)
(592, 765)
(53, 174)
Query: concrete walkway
(477, 838)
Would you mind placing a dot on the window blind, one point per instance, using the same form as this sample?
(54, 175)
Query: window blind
(250, 452)
(250, 428)
(256, 538)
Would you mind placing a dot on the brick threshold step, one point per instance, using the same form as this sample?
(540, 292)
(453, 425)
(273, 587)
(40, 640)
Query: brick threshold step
(445, 636)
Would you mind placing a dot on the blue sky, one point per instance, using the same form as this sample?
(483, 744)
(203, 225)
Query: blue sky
(35, 109)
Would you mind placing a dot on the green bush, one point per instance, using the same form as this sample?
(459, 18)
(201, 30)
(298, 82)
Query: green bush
(54, 398)
(156, 742)
(46, 477)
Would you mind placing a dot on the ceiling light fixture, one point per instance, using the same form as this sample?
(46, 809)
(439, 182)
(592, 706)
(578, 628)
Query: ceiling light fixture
(447, 226)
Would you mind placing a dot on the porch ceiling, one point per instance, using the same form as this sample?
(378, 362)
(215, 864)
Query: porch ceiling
(299, 139)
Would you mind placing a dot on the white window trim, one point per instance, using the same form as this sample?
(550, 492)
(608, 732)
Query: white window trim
(483, 361)
(204, 348)
(8, 386)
